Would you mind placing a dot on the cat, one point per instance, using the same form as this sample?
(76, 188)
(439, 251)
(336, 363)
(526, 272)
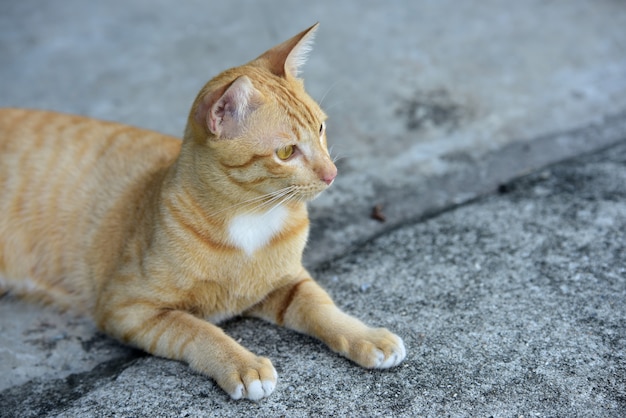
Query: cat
(158, 239)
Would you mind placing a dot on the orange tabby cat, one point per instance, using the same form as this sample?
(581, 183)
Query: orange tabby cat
(160, 240)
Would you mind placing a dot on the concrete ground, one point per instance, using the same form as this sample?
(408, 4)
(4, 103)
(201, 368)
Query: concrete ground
(510, 305)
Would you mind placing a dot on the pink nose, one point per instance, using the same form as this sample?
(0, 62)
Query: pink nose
(328, 176)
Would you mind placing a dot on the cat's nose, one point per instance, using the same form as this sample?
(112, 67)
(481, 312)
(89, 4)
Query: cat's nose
(327, 176)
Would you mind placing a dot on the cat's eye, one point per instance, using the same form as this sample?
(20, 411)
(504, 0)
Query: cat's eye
(285, 152)
(322, 128)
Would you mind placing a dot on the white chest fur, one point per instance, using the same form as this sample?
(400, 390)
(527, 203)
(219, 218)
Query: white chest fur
(252, 231)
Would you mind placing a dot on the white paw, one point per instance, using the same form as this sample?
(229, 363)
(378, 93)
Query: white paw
(394, 358)
(255, 388)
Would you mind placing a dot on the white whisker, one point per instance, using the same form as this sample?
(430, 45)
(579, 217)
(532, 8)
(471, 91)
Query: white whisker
(277, 197)
(286, 198)
(257, 202)
(329, 107)
(338, 157)
(275, 201)
(326, 93)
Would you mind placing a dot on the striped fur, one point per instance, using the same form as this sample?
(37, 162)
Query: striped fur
(158, 240)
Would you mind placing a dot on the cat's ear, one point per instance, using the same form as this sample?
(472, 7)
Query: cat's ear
(223, 112)
(288, 57)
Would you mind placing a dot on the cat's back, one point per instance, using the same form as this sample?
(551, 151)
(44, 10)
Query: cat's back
(59, 175)
(64, 136)
(55, 160)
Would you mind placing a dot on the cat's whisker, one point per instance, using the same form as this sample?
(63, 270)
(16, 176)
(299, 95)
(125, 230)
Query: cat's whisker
(271, 204)
(238, 205)
(252, 202)
(270, 199)
(332, 86)
(334, 158)
(338, 158)
(331, 106)
(289, 196)
(267, 199)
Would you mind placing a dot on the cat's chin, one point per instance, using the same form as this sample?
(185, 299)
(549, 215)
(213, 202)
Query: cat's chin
(310, 195)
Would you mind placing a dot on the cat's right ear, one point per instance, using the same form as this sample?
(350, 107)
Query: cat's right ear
(287, 58)
(223, 112)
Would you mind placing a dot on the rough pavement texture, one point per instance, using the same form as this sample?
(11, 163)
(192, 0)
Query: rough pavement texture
(509, 305)
(512, 305)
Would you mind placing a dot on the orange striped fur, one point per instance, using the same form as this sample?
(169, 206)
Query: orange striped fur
(159, 240)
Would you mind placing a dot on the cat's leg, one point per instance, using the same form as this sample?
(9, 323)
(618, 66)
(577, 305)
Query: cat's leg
(305, 307)
(179, 335)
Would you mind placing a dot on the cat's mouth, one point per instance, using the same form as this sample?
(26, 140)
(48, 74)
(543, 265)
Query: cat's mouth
(311, 191)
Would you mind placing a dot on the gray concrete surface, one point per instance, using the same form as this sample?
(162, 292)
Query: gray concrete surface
(511, 305)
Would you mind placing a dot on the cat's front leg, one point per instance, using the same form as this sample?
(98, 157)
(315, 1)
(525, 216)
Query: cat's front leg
(305, 307)
(179, 335)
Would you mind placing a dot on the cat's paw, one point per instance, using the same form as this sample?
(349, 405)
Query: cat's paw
(377, 348)
(254, 380)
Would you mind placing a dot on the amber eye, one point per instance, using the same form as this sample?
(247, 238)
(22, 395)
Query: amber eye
(285, 152)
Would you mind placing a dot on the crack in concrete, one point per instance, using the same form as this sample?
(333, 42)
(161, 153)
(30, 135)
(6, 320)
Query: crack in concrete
(40, 397)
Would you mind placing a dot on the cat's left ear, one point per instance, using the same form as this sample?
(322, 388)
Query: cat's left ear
(287, 58)
(223, 112)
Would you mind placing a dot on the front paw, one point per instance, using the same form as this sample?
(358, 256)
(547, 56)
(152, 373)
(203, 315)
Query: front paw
(373, 348)
(253, 379)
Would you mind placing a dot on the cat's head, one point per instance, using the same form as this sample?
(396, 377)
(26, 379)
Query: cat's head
(261, 129)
